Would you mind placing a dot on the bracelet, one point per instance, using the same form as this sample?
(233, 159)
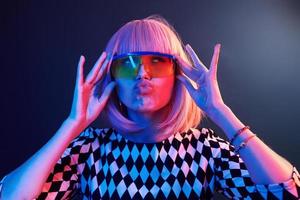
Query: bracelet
(238, 133)
(244, 143)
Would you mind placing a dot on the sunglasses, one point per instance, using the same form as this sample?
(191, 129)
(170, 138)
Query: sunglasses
(155, 64)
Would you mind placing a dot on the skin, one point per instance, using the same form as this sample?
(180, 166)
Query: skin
(256, 154)
(85, 109)
(145, 105)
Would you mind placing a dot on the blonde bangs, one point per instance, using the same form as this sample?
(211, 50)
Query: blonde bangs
(144, 35)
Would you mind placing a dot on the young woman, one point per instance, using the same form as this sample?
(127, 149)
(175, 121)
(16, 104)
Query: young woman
(155, 91)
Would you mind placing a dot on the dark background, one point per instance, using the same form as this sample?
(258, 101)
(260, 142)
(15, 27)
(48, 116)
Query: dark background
(41, 43)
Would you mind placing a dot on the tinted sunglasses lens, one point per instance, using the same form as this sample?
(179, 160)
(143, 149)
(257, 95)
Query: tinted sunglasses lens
(156, 66)
(125, 67)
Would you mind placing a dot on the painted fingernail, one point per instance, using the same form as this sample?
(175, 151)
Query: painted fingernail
(102, 54)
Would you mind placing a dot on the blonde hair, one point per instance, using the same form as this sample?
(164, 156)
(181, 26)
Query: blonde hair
(153, 33)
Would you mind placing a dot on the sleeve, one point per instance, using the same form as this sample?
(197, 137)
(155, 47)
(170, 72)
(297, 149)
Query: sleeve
(63, 181)
(233, 179)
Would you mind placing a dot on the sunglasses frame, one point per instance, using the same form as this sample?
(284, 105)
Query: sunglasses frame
(138, 53)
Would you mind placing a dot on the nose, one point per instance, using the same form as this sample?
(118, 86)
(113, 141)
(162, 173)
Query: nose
(142, 73)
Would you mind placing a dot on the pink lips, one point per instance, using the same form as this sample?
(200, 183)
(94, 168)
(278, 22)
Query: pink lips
(143, 87)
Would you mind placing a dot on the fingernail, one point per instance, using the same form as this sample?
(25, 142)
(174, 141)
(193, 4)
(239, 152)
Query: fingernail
(102, 54)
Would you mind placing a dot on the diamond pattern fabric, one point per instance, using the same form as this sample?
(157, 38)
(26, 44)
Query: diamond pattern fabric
(102, 164)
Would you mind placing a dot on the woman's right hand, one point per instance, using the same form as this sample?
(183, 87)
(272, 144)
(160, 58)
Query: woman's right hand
(85, 106)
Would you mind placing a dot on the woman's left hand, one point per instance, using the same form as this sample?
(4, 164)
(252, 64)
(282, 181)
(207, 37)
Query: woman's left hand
(207, 94)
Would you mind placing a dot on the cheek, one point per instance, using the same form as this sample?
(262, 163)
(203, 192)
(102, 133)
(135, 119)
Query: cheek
(124, 90)
(165, 89)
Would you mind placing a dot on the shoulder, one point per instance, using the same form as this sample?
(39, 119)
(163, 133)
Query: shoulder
(209, 138)
(207, 134)
(90, 135)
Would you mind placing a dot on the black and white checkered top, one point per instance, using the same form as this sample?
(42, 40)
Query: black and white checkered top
(102, 164)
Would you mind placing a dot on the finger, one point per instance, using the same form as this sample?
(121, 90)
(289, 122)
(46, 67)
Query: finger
(103, 69)
(215, 61)
(79, 76)
(93, 73)
(106, 93)
(197, 62)
(187, 83)
(187, 69)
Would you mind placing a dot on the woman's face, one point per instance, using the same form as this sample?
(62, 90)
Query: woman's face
(145, 93)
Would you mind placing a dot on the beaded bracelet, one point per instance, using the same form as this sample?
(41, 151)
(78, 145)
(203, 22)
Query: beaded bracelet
(238, 133)
(243, 144)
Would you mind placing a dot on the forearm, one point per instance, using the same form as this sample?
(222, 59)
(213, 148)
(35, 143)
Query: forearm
(264, 165)
(26, 181)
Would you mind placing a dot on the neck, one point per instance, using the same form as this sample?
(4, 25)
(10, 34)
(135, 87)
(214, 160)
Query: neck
(143, 118)
(149, 134)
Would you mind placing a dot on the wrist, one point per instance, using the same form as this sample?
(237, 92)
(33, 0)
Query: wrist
(226, 120)
(75, 123)
(216, 114)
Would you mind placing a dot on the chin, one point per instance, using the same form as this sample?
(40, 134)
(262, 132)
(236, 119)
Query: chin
(148, 108)
(146, 105)
(145, 109)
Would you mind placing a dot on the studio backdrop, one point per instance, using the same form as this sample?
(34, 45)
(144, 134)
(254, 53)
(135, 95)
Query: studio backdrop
(41, 42)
